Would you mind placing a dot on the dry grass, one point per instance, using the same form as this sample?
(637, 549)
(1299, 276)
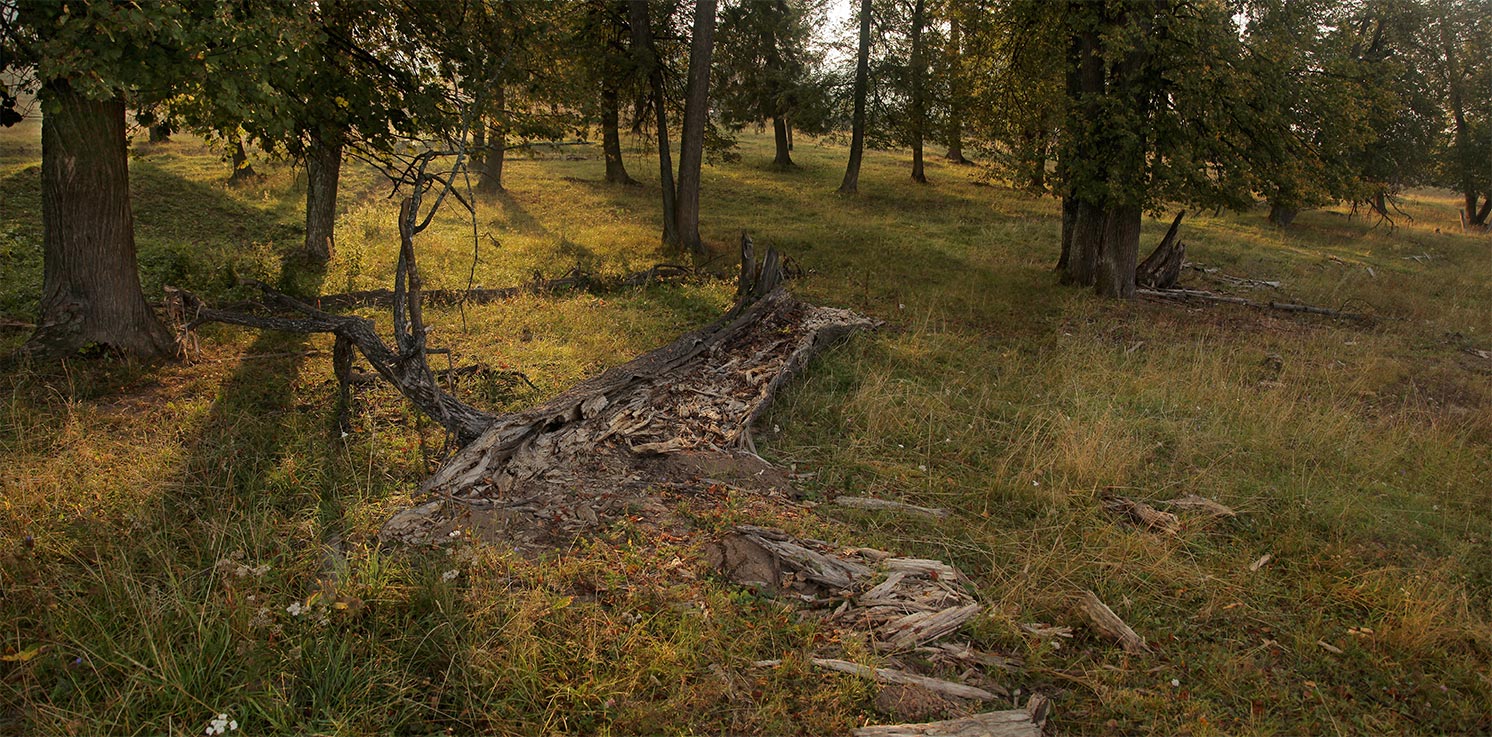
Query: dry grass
(1358, 456)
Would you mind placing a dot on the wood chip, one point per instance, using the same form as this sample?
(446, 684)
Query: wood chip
(865, 502)
(890, 675)
(1261, 562)
(934, 569)
(1143, 514)
(1108, 624)
(1328, 647)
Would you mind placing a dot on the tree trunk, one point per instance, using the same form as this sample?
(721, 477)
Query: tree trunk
(1282, 215)
(851, 183)
(1118, 252)
(780, 131)
(788, 124)
(91, 292)
(1476, 220)
(642, 42)
(955, 90)
(160, 132)
(1086, 241)
(1069, 217)
(919, 70)
(490, 176)
(243, 171)
(611, 137)
(323, 169)
(696, 115)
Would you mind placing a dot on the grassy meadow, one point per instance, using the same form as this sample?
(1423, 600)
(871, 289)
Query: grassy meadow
(164, 530)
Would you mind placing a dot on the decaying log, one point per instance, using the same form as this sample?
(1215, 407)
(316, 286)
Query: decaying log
(1187, 295)
(1162, 268)
(865, 502)
(680, 411)
(1027, 722)
(1142, 514)
(891, 675)
(1201, 504)
(1237, 281)
(1107, 623)
(920, 627)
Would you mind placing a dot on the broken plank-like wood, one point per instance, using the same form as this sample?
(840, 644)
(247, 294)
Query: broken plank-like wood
(1027, 722)
(923, 627)
(813, 565)
(1108, 624)
(871, 503)
(925, 567)
(890, 675)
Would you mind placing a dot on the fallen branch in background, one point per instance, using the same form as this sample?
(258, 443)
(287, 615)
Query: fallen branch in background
(1197, 295)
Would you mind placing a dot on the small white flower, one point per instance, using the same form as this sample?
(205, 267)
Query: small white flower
(921, 467)
(450, 575)
(296, 609)
(455, 533)
(1175, 683)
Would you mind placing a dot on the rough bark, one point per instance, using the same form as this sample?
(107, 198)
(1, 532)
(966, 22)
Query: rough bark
(91, 294)
(918, 104)
(642, 42)
(1087, 234)
(323, 169)
(783, 139)
(611, 137)
(692, 137)
(1118, 252)
(851, 183)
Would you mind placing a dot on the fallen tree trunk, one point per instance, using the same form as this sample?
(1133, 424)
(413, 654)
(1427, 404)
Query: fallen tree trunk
(679, 412)
(1185, 295)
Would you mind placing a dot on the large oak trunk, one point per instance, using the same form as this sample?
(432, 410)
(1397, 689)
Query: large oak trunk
(851, 183)
(323, 170)
(91, 292)
(696, 116)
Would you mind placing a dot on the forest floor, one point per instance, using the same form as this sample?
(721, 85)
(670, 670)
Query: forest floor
(165, 530)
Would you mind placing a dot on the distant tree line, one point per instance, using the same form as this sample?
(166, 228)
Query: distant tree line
(1118, 107)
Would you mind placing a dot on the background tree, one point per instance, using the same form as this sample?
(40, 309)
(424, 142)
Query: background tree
(764, 67)
(692, 137)
(851, 182)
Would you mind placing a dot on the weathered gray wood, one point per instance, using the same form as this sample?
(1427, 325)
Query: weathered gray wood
(1162, 268)
(1107, 623)
(1184, 295)
(1201, 504)
(890, 675)
(1027, 722)
(865, 502)
(920, 627)
(1143, 514)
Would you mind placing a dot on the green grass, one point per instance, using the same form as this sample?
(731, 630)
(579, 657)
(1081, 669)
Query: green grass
(1363, 464)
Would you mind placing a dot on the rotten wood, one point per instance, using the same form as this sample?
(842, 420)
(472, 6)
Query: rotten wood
(1190, 295)
(870, 503)
(1027, 722)
(1162, 268)
(891, 675)
(1107, 623)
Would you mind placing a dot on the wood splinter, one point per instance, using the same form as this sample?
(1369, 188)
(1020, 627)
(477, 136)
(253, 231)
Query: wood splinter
(1027, 722)
(1107, 623)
